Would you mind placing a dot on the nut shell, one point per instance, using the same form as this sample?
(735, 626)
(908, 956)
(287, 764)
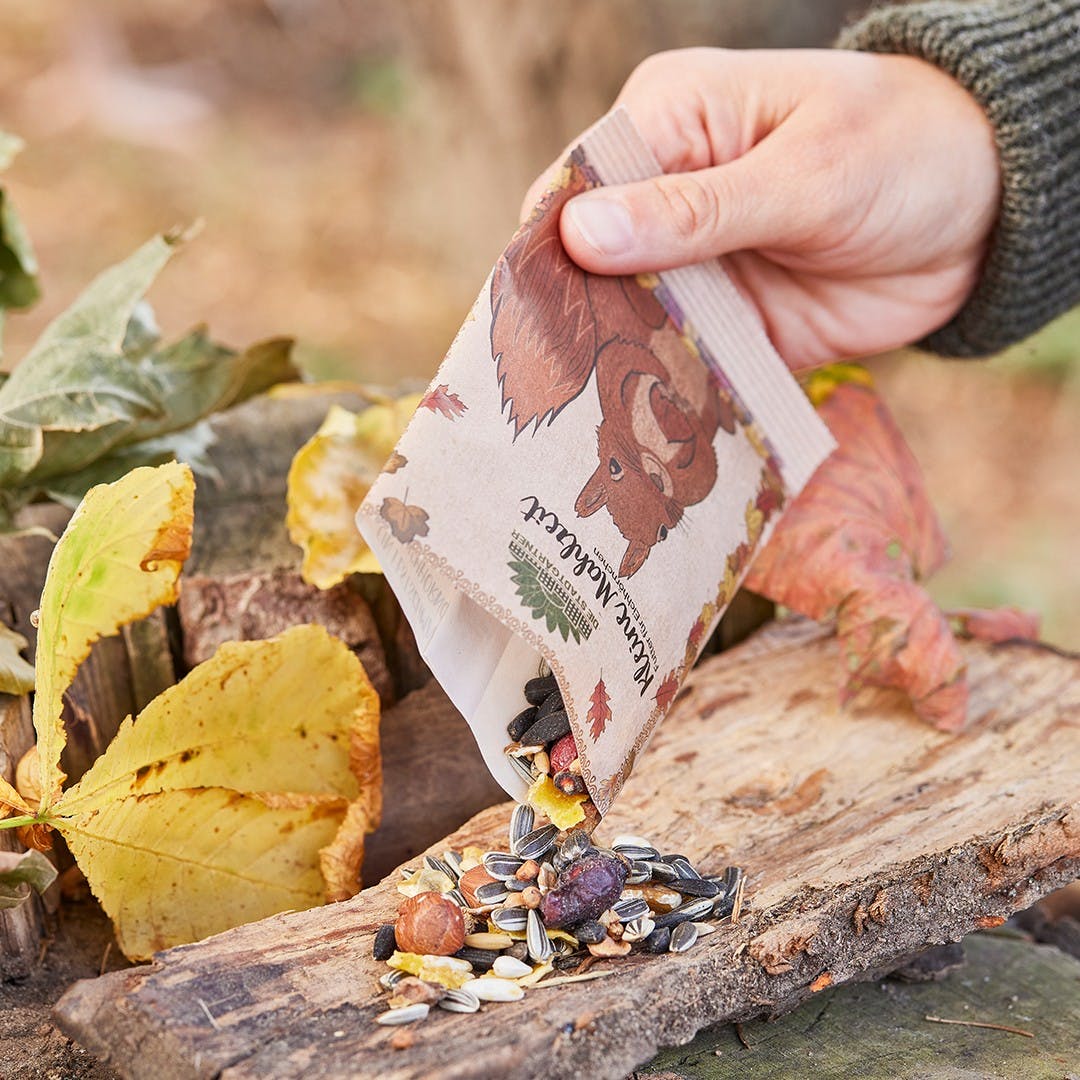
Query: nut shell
(431, 924)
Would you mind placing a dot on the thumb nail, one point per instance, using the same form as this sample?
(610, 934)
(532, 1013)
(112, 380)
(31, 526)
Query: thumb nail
(602, 223)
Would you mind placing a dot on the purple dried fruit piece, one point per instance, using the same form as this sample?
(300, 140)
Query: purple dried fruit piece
(584, 890)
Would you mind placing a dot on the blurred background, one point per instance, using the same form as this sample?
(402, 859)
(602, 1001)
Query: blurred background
(359, 164)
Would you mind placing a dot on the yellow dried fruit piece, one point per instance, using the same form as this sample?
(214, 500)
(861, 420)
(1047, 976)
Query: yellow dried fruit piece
(425, 880)
(444, 976)
(563, 811)
(406, 961)
(535, 975)
(471, 857)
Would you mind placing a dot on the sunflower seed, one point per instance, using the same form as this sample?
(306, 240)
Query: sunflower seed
(536, 844)
(552, 703)
(733, 877)
(521, 823)
(391, 979)
(576, 845)
(661, 871)
(519, 951)
(524, 750)
(694, 909)
(658, 940)
(563, 947)
(631, 840)
(521, 723)
(501, 864)
(506, 967)
(695, 886)
(405, 1015)
(455, 895)
(511, 919)
(540, 947)
(492, 892)
(484, 940)
(638, 929)
(552, 727)
(723, 906)
(385, 943)
(590, 932)
(639, 874)
(536, 690)
(514, 885)
(681, 864)
(704, 929)
(522, 767)
(633, 907)
(406, 872)
(683, 937)
(478, 959)
(463, 1001)
(636, 851)
(488, 989)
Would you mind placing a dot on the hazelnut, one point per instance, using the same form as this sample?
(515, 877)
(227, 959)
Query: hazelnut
(528, 870)
(430, 924)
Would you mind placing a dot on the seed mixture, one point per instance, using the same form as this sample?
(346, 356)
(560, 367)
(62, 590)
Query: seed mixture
(482, 926)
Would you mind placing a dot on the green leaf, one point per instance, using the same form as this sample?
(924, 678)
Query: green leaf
(16, 674)
(96, 382)
(18, 265)
(19, 873)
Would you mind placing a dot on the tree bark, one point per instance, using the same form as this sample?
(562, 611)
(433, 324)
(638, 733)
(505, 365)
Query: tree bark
(866, 836)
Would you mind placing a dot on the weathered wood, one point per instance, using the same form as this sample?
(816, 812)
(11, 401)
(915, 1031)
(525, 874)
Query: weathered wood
(865, 834)
(433, 779)
(21, 927)
(880, 1031)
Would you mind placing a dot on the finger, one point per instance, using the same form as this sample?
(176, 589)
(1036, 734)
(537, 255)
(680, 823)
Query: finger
(674, 220)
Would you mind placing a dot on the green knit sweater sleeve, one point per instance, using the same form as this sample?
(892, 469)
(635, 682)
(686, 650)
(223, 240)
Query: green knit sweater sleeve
(1021, 60)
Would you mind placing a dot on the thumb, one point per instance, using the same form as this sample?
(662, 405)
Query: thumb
(682, 218)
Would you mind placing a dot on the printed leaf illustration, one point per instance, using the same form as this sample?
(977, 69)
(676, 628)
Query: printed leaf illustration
(599, 710)
(1002, 624)
(440, 400)
(22, 872)
(406, 522)
(545, 603)
(855, 545)
(328, 480)
(213, 807)
(667, 690)
(96, 381)
(16, 674)
(118, 559)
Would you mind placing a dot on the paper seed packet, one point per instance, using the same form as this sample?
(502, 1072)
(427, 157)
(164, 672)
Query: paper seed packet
(595, 465)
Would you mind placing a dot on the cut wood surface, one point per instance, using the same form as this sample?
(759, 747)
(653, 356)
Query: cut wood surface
(865, 836)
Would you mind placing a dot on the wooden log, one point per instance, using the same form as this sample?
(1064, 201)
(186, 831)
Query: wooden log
(865, 836)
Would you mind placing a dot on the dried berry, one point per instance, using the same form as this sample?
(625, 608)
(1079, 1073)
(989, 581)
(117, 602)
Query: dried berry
(563, 754)
(431, 924)
(585, 890)
(569, 783)
(385, 942)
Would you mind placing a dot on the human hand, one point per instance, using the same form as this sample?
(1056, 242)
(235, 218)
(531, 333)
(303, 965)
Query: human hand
(852, 194)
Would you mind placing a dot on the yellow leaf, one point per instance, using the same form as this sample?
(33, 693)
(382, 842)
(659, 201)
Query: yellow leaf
(16, 674)
(177, 866)
(328, 480)
(565, 811)
(820, 383)
(118, 559)
(11, 800)
(218, 804)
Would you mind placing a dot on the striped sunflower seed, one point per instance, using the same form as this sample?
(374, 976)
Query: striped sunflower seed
(536, 844)
(723, 906)
(453, 860)
(501, 864)
(455, 895)
(638, 929)
(433, 863)
(631, 840)
(510, 919)
(405, 1015)
(733, 876)
(636, 851)
(391, 979)
(683, 937)
(683, 867)
(462, 1001)
(478, 959)
(661, 871)
(521, 823)
(522, 768)
(633, 907)
(639, 874)
(540, 947)
(492, 892)
(695, 886)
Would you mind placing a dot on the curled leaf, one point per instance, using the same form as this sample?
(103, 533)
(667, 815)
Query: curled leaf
(854, 546)
(16, 674)
(21, 872)
(118, 559)
(328, 480)
(996, 625)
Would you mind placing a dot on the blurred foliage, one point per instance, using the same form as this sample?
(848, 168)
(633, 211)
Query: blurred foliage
(1052, 354)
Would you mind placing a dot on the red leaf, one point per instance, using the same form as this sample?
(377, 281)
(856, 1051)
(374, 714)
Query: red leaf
(854, 546)
(668, 688)
(1000, 624)
(599, 710)
(440, 400)
(697, 631)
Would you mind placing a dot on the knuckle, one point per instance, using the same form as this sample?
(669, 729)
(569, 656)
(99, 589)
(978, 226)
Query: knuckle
(691, 206)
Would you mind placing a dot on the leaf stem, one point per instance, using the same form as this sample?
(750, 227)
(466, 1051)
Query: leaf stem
(26, 819)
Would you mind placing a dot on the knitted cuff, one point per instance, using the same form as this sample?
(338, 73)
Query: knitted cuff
(1021, 61)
